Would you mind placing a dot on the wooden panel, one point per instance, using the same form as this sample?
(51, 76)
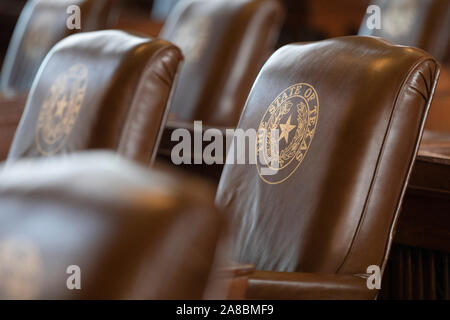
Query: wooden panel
(439, 116)
(414, 273)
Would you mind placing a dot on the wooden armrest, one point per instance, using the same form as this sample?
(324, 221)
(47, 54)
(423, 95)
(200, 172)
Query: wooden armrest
(234, 279)
(238, 270)
(264, 285)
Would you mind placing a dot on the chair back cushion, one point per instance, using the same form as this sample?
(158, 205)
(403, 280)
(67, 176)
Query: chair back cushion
(225, 44)
(99, 90)
(41, 25)
(349, 113)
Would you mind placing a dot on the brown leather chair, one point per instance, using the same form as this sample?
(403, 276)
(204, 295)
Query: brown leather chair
(225, 43)
(122, 225)
(99, 90)
(41, 25)
(351, 112)
(419, 23)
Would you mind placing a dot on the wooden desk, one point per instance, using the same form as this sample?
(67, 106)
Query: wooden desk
(425, 218)
(439, 115)
(419, 263)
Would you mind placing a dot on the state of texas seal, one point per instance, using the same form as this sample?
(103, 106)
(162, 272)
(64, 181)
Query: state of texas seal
(60, 109)
(285, 132)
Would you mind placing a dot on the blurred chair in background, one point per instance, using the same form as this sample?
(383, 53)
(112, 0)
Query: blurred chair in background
(133, 233)
(423, 24)
(99, 90)
(41, 25)
(224, 43)
(349, 136)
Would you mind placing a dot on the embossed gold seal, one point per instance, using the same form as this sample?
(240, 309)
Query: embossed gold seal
(60, 109)
(289, 123)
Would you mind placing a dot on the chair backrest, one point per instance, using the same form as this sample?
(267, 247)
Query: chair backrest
(99, 90)
(351, 112)
(423, 24)
(224, 43)
(41, 25)
(123, 226)
(162, 8)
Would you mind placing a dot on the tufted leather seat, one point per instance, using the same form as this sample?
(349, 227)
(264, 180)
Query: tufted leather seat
(225, 44)
(99, 90)
(350, 113)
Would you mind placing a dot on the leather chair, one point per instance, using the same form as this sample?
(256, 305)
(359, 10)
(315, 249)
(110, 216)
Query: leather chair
(99, 90)
(122, 225)
(225, 44)
(419, 23)
(41, 25)
(351, 112)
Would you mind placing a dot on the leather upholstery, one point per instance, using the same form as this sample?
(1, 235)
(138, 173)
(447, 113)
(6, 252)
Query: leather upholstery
(225, 43)
(419, 23)
(334, 210)
(99, 90)
(124, 226)
(41, 25)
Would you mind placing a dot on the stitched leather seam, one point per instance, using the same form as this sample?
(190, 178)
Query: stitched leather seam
(420, 93)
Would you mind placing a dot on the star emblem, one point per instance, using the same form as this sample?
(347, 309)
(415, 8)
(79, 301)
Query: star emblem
(286, 128)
